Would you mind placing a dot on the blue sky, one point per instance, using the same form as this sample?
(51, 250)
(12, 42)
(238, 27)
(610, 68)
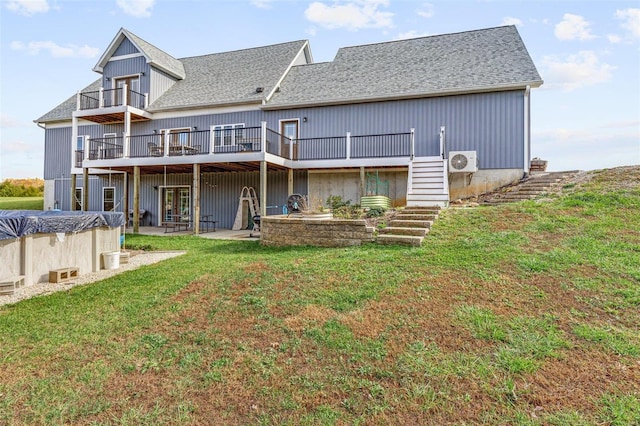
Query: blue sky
(586, 116)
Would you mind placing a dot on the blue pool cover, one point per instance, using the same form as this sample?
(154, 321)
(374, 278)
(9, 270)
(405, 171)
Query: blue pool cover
(18, 223)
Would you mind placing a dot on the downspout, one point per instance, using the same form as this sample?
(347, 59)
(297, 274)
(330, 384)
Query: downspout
(527, 131)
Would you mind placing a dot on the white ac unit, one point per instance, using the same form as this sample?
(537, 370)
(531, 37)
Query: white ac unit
(463, 162)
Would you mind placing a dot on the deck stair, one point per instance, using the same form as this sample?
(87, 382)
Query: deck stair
(428, 183)
(534, 186)
(409, 227)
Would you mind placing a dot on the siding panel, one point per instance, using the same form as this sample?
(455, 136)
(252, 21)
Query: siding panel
(125, 48)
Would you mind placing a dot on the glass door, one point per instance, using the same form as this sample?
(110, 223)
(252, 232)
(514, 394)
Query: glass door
(133, 89)
(288, 144)
(176, 206)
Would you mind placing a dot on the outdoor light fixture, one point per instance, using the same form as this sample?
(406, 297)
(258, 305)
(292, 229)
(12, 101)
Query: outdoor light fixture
(304, 119)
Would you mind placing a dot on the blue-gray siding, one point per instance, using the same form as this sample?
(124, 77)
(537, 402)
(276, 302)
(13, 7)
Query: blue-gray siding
(125, 48)
(490, 123)
(126, 67)
(57, 153)
(159, 82)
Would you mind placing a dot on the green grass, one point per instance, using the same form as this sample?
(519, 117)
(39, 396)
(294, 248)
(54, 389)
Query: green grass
(523, 314)
(21, 203)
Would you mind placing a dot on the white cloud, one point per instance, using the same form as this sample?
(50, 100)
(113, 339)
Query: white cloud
(614, 38)
(261, 4)
(69, 51)
(137, 8)
(8, 121)
(575, 71)
(410, 34)
(586, 148)
(28, 7)
(631, 21)
(573, 27)
(509, 20)
(426, 10)
(353, 15)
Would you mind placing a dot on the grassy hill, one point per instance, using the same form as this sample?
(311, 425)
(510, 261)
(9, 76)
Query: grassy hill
(524, 314)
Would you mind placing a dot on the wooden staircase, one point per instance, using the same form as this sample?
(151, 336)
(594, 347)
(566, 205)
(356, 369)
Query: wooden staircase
(428, 183)
(409, 227)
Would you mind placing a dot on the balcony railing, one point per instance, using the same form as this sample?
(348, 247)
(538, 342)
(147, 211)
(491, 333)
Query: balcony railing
(106, 98)
(246, 140)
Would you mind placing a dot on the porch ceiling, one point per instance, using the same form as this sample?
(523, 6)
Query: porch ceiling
(253, 166)
(114, 117)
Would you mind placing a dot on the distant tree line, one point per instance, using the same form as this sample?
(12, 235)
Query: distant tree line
(22, 188)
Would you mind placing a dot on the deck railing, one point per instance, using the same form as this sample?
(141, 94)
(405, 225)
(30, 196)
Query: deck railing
(106, 98)
(246, 140)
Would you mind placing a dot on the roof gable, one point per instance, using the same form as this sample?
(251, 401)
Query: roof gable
(154, 56)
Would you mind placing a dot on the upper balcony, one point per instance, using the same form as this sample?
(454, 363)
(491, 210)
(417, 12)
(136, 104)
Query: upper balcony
(109, 105)
(247, 144)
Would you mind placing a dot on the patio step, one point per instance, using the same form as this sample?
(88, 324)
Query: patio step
(405, 240)
(415, 216)
(411, 223)
(398, 230)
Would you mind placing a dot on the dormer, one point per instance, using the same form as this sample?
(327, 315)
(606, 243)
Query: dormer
(145, 69)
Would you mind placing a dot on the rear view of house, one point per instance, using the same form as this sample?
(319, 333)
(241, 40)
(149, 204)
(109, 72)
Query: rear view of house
(422, 121)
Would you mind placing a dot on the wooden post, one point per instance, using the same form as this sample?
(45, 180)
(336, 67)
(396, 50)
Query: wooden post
(289, 182)
(72, 206)
(85, 189)
(125, 197)
(196, 198)
(136, 199)
(362, 182)
(263, 188)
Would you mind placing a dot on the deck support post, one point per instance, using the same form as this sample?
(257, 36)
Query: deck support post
(85, 189)
(289, 182)
(196, 198)
(125, 197)
(362, 182)
(72, 203)
(263, 188)
(136, 199)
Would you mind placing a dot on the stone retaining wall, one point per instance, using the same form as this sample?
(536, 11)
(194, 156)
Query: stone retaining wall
(300, 231)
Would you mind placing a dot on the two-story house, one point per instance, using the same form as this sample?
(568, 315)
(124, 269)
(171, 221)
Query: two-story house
(434, 118)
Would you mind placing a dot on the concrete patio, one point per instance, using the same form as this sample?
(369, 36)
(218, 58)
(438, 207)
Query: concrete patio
(218, 234)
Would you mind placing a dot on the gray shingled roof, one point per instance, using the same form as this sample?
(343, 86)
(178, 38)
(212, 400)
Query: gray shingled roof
(157, 57)
(452, 63)
(217, 79)
(229, 77)
(65, 109)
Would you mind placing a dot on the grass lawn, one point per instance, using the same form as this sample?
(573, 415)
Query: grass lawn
(525, 314)
(21, 203)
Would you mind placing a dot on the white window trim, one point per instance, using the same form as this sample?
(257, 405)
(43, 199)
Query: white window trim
(297, 128)
(114, 197)
(223, 127)
(109, 135)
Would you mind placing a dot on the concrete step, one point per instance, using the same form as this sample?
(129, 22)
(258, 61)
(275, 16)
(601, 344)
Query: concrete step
(397, 230)
(411, 223)
(415, 216)
(404, 240)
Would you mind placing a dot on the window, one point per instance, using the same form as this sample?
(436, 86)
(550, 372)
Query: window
(109, 137)
(228, 134)
(80, 143)
(78, 199)
(108, 199)
(133, 89)
(180, 137)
